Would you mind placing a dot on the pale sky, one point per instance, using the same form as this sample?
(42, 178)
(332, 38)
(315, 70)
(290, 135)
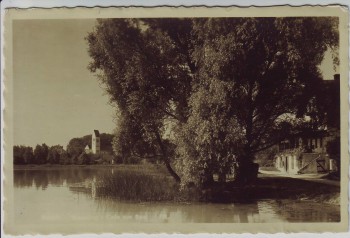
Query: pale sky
(56, 98)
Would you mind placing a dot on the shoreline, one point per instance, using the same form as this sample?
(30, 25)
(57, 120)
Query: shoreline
(62, 166)
(266, 186)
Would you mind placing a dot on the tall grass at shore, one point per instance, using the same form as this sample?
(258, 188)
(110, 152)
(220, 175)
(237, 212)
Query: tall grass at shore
(139, 186)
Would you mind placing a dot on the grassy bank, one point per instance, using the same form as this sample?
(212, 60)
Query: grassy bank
(300, 189)
(274, 188)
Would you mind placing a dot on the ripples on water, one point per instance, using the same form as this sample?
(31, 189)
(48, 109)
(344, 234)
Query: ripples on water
(72, 194)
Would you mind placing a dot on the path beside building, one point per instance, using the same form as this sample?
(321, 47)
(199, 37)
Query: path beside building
(309, 177)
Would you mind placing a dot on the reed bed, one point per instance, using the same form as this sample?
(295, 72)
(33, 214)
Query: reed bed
(138, 186)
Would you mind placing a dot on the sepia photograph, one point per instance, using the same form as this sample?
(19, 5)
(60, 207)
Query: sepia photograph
(169, 119)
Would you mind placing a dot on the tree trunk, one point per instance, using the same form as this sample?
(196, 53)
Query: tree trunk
(247, 170)
(166, 159)
(208, 179)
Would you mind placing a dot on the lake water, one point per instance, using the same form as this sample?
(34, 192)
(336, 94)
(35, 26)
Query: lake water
(65, 196)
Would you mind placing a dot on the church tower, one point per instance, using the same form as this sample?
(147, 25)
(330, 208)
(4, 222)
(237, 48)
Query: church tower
(95, 143)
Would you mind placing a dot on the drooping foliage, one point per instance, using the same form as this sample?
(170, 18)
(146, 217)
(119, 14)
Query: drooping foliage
(269, 67)
(145, 72)
(211, 139)
(231, 87)
(130, 141)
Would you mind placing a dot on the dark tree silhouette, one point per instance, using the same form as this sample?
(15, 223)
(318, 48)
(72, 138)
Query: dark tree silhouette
(230, 87)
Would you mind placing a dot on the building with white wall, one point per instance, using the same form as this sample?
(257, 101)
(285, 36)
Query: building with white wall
(96, 142)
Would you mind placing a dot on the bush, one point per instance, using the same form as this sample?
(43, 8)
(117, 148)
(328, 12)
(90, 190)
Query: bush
(107, 158)
(87, 158)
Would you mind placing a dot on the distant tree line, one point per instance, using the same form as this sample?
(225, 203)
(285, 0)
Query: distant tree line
(42, 154)
(75, 153)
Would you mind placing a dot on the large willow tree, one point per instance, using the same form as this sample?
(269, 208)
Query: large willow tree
(253, 74)
(145, 67)
(228, 85)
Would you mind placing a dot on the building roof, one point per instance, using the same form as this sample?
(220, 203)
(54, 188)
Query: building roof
(97, 133)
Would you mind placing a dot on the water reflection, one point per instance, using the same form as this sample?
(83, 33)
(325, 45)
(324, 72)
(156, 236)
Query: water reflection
(70, 194)
(41, 178)
(177, 212)
(307, 211)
